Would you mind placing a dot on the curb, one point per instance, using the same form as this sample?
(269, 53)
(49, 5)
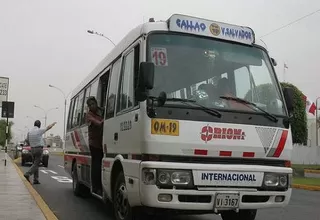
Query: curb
(306, 187)
(49, 215)
(312, 171)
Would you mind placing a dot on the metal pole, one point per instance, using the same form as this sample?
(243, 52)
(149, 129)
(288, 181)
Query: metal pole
(45, 124)
(7, 137)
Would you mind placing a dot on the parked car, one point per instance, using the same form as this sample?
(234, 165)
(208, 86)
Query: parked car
(26, 156)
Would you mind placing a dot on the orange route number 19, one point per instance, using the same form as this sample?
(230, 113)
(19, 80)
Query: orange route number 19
(165, 127)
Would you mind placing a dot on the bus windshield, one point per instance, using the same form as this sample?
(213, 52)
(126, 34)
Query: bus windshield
(203, 69)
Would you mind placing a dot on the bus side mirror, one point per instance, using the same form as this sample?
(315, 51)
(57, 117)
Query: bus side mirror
(146, 80)
(288, 97)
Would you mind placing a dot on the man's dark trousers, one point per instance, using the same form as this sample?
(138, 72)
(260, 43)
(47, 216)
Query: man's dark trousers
(34, 169)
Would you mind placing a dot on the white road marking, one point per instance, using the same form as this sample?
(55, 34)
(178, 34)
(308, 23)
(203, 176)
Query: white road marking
(61, 166)
(48, 171)
(62, 179)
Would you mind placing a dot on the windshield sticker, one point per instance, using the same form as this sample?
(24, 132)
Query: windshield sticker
(159, 56)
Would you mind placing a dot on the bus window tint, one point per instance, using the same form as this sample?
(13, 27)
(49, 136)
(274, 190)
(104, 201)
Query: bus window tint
(79, 108)
(94, 90)
(85, 107)
(70, 114)
(74, 114)
(112, 94)
(126, 93)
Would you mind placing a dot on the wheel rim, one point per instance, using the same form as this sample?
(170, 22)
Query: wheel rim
(121, 201)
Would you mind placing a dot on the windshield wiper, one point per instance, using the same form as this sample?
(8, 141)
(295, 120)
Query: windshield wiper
(205, 109)
(243, 101)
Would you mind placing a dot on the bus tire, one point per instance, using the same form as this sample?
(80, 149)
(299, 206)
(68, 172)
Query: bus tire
(79, 189)
(241, 215)
(121, 207)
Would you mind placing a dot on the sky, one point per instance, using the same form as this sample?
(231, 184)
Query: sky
(46, 42)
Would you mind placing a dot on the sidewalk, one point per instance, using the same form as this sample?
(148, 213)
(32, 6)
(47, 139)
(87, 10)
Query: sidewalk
(16, 202)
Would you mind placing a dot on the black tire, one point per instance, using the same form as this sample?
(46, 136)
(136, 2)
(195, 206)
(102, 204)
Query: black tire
(45, 162)
(79, 189)
(241, 215)
(23, 162)
(121, 207)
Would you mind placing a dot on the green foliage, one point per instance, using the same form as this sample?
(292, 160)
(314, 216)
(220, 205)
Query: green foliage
(299, 118)
(3, 124)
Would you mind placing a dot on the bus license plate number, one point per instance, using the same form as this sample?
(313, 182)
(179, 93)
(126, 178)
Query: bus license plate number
(227, 201)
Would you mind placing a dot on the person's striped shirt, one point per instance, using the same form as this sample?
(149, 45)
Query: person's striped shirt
(35, 137)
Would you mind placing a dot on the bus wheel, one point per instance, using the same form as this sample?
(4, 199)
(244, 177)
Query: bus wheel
(121, 206)
(78, 188)
(241, 215)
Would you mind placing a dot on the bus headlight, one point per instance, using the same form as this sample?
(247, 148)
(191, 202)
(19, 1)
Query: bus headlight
(149, 176)
(276, 180)
(164, 177)
(181, 178)
(174, 178)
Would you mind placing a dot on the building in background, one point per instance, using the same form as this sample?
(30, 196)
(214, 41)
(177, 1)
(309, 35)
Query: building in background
(54, 141)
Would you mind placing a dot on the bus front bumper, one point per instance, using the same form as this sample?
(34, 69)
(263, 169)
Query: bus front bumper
(152, 196)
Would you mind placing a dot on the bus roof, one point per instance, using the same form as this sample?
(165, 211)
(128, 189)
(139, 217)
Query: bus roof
(176, 23)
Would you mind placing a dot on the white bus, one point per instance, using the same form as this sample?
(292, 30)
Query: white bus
(195, 122)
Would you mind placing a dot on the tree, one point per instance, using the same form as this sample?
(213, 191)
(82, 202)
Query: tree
(299, 117)
(3, 124)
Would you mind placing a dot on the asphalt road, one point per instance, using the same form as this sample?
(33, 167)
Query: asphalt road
(56, 190)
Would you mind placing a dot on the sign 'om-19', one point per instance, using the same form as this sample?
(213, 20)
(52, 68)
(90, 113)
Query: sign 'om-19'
(165, 127)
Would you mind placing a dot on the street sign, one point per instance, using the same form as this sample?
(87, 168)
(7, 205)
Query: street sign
(7, 110)
(4, 86)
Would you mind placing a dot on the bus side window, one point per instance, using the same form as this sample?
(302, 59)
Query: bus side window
(85, 107)
(74, 114)
(78, 109)
(127, 84)
(136, 69)
(104, 79)
(94, 90)
(112, 93)
(70, 114)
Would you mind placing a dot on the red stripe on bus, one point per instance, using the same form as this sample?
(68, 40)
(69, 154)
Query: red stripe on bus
(201, 152)
(281, 144)
(225, 153)
(248, 154)
(80, 159)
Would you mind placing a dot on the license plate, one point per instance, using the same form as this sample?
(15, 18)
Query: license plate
(226, 201)
(165, 127)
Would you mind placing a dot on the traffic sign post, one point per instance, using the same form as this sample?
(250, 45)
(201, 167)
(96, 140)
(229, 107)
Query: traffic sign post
(7, 112)
(4, 90)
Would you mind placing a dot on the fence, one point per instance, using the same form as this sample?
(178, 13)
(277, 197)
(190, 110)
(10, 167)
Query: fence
(305, 154)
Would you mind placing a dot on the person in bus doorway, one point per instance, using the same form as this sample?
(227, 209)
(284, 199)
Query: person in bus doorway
(94, 119)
